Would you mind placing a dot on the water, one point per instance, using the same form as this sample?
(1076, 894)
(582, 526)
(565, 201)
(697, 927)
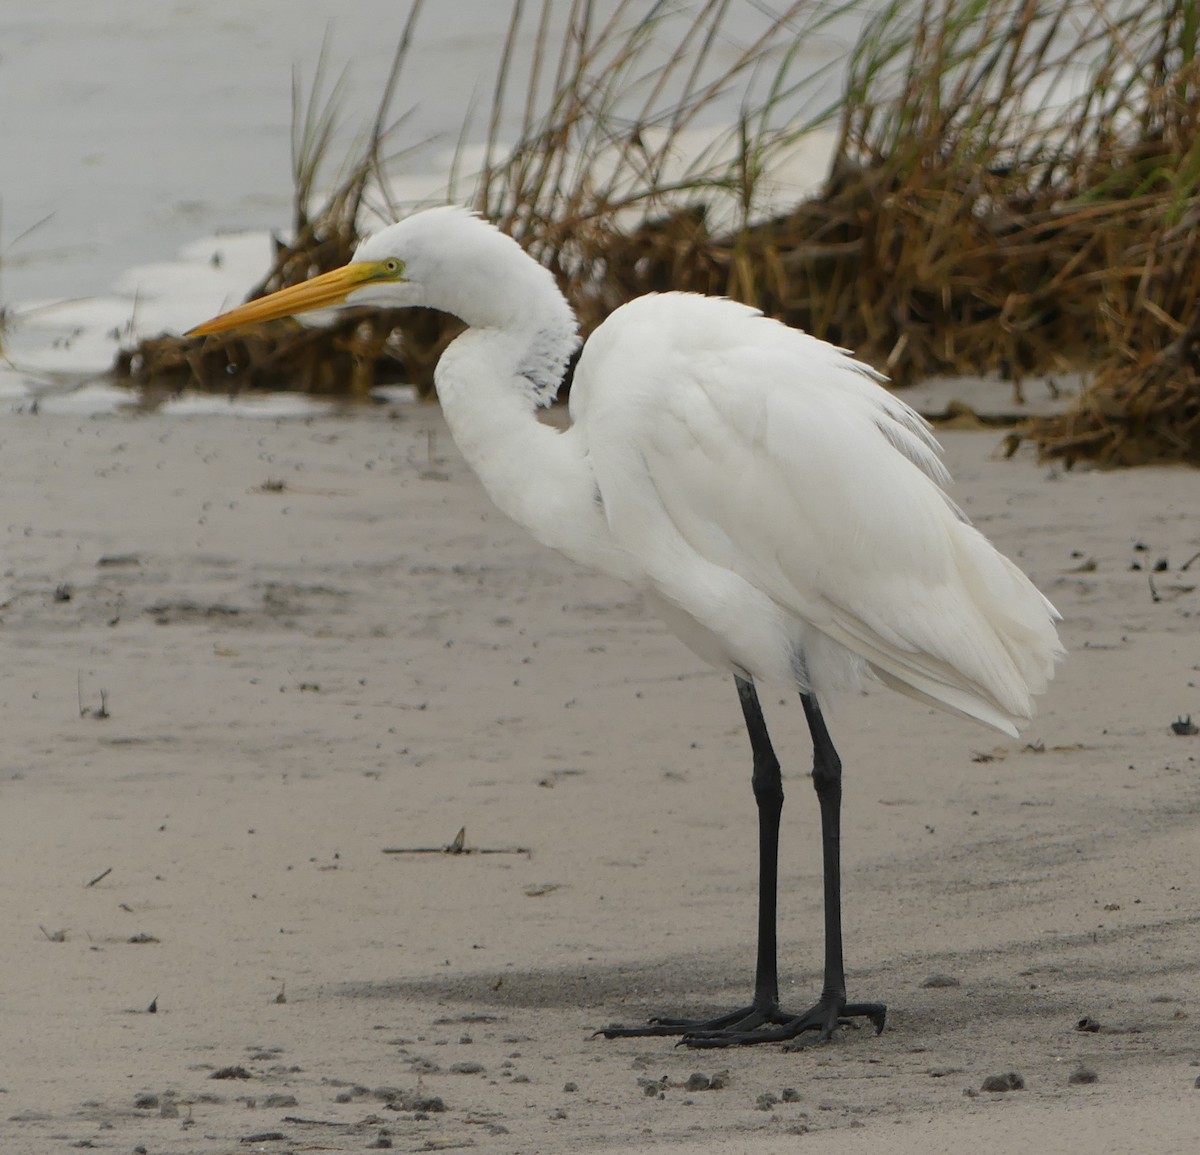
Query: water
(130, 129)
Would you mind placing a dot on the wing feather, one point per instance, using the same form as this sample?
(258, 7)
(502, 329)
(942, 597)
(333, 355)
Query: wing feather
(771, 488)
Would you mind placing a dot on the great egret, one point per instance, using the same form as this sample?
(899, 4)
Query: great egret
(781, 510)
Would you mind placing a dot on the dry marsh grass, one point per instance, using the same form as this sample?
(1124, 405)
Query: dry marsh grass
(1013, 190)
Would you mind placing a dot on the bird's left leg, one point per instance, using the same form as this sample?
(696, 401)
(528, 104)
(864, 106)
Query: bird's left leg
(831, 1009)
(764, 1021)
(818, 1022)
(767, 783)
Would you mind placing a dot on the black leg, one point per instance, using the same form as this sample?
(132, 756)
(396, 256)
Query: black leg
(767, 783)
(827, 781)
(764, 1021)
(832, 1007)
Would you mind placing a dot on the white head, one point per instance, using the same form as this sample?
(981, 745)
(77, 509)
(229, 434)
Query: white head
(443, 258)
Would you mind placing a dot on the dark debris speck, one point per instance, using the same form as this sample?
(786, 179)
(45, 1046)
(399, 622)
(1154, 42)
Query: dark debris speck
(1010, 1081)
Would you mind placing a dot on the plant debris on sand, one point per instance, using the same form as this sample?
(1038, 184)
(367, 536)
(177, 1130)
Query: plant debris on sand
(1013, 190)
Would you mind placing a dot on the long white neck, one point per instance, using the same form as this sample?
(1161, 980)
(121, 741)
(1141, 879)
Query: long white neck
(489, 381)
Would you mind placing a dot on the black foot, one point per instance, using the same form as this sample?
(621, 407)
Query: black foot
(754, 1024)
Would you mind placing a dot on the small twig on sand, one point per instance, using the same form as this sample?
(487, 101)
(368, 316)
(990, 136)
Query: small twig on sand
(87, 711)
(458, 846)
(102, 874)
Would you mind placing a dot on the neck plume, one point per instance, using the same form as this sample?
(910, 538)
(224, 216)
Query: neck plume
(491, 382)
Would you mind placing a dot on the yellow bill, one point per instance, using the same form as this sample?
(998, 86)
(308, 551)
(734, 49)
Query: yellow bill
(323, 292)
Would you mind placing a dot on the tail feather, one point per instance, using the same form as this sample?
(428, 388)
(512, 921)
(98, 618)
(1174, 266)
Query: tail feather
(984, 645)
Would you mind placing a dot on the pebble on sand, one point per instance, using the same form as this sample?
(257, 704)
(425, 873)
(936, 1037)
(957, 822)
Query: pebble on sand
(1009, 1081)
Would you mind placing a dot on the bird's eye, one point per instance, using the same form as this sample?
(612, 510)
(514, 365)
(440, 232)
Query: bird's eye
(392, 265)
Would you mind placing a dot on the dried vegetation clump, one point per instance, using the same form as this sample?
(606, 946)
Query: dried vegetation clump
(1013, 191)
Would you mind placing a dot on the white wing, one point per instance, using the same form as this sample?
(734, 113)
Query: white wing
(780, 500)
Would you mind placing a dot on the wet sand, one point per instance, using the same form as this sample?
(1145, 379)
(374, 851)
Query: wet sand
(244, 658)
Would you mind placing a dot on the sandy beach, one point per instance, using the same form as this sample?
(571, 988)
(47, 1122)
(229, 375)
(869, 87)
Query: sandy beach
(263, 662)
(246, 658)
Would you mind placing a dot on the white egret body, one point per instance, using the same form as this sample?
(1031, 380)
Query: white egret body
(782, 511)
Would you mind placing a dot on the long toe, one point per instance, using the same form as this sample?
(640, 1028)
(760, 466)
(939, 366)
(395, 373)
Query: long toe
(743, 1019)
(752, 1025)
(819, 1022)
